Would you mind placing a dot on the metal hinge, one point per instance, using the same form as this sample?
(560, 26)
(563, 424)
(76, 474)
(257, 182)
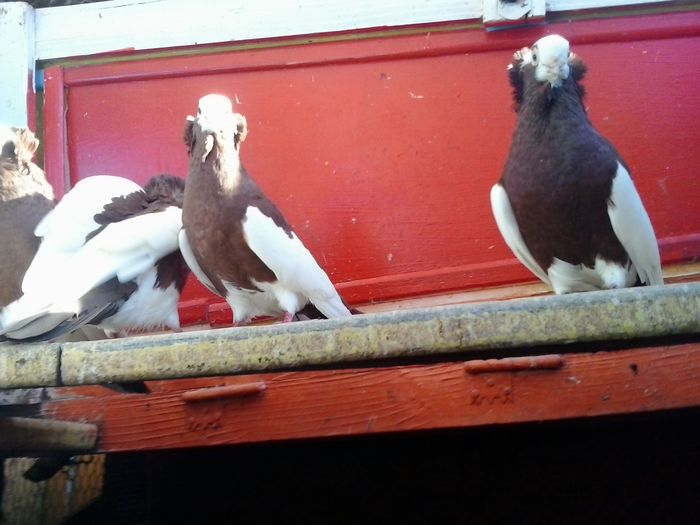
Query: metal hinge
(504, 12)
(490, 386)
(205, 407)
(515, 364)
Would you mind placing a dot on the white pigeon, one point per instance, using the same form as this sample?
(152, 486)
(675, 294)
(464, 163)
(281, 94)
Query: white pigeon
(108, 257)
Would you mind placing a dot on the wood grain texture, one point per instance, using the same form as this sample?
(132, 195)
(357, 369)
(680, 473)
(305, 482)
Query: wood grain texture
(299, 405)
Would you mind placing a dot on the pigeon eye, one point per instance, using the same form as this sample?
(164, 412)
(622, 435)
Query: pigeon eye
(534, 58)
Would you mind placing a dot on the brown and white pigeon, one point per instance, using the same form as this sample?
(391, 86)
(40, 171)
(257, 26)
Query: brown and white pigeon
(234, 238)
(25, 198)
(109, 258)
(566, 205)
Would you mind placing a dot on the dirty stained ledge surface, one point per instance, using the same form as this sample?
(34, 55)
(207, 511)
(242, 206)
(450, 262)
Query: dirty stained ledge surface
(585, 317)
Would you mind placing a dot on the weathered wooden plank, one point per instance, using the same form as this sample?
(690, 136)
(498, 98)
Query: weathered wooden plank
(28, 365)
(21, 396)
(595, 316)
(298, 405)
(42, 435)
(674, 273)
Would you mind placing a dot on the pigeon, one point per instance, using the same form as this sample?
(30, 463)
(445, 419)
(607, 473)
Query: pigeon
(565, 204)
(25, 198)
(234, 238)
(108, 257)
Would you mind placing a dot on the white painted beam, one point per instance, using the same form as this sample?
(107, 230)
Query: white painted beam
(575, 5)
(16, 61)
(151, 24)
(101, 27)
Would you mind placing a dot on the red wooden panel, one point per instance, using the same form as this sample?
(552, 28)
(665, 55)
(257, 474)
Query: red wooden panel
(382, 152)
(295, 405)
(55, 130)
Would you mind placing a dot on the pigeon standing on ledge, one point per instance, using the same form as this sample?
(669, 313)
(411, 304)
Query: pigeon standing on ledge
(109, 258)
(566, 205)
(234, 238)
(25, 198)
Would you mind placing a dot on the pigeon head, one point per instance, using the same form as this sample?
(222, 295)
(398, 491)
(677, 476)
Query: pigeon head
(165, 188)
(544, 69)
(17, 147)
(216, 125)
(215, 114)
(550, 58)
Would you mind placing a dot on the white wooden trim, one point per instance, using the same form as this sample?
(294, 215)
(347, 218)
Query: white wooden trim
(570, 5)
(150, 24)
(114, 25)
(16, 61)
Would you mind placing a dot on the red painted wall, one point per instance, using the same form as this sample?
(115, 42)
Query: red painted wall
(382, 152)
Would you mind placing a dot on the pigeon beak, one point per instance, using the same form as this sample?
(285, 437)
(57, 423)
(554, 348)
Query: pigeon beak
(217, 123)
(555, 72)
(558, 70)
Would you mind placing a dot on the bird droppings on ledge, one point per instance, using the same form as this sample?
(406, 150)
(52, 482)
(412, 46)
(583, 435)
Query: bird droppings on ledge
(586, 317)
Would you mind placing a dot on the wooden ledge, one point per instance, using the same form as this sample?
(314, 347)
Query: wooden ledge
(316, 404)
(595, 316)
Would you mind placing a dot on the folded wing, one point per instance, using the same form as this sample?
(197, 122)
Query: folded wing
(633, 228)
(295, 267)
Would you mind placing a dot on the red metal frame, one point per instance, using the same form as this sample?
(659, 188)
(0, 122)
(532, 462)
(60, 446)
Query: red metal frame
(416, 152)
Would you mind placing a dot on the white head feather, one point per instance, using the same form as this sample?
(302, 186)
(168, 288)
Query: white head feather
(550, 57)
(215, 114)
